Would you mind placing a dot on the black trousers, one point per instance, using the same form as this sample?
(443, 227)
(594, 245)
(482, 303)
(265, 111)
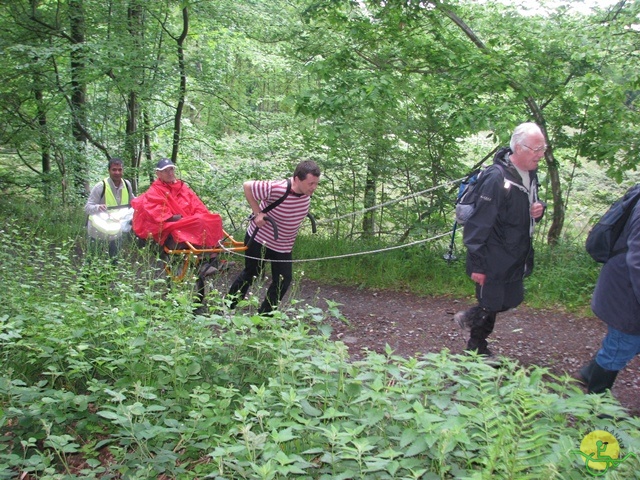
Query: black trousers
(281, 272)
(96, 246)
(492, 299)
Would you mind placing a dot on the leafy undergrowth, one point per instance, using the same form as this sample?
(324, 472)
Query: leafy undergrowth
(106, 373)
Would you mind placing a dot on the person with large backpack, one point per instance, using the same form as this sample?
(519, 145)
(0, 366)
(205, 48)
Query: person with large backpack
(109, 195)
(286, 203)
(498, 233)
(616, 298)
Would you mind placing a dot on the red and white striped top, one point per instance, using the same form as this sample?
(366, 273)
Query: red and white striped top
(288, 216)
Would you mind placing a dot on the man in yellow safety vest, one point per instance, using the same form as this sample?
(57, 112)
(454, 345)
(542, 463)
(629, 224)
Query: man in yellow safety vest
(103, 208)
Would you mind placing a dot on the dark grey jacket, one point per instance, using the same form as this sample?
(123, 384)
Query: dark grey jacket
(616, 299)
(497, 234)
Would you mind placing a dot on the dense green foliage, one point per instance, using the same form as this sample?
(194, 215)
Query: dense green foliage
(106, 372)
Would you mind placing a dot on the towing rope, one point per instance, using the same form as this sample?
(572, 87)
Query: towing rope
(352, 214)
(346, 255)
(395, 200)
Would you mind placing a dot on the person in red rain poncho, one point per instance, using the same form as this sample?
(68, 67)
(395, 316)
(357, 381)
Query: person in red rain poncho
(172, 214)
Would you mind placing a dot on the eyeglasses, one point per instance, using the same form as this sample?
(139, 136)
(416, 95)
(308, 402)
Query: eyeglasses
(536, 150)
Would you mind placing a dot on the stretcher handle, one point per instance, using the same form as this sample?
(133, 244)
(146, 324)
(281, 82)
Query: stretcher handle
(273, 224)
(115, 207)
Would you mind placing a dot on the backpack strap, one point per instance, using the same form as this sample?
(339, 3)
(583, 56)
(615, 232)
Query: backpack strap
(128, 185)
(273, 205)
(511, 183)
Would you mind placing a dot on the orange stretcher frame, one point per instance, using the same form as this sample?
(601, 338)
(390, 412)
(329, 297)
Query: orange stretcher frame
(228, 243)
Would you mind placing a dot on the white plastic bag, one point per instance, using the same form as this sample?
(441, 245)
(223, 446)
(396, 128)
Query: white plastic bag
(113, 222)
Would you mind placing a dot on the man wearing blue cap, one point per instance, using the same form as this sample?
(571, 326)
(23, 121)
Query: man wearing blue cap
(172, 214)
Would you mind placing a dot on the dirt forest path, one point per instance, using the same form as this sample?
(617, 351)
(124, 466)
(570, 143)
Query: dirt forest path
(413, 325)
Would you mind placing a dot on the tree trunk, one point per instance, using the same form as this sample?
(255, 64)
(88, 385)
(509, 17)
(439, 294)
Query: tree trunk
(78, 96)
(557, 222)
(45, 145)
(147, 142)
(183, 85)
(368, 219)
(132, 138)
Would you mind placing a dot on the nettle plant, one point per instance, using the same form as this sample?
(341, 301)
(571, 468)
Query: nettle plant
(107, 373)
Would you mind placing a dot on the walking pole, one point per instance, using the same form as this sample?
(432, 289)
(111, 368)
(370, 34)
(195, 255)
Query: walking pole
(449, 256)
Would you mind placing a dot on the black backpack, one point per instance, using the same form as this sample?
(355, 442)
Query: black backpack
(604, 234)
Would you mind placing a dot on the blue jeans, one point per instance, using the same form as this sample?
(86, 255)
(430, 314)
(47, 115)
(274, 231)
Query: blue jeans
(617, 349)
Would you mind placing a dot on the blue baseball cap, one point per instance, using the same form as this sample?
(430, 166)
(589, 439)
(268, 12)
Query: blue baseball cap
(164, 164)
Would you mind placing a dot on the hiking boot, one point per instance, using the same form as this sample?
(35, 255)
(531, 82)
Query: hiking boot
(200, 310)
(463, 319)
(492, 360)
(481, 352)
(584, 374)
(485, 352)
(206, 270)
(486, 356)
(472, 317)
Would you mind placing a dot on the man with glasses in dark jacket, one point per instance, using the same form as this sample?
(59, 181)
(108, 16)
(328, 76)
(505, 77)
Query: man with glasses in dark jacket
(499, 233)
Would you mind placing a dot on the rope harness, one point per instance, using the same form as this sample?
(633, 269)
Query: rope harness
(363, 211)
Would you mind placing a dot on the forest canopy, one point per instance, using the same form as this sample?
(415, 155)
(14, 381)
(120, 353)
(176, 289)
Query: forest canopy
(391, 98)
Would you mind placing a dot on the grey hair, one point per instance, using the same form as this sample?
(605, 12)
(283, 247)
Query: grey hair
(521, 132)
